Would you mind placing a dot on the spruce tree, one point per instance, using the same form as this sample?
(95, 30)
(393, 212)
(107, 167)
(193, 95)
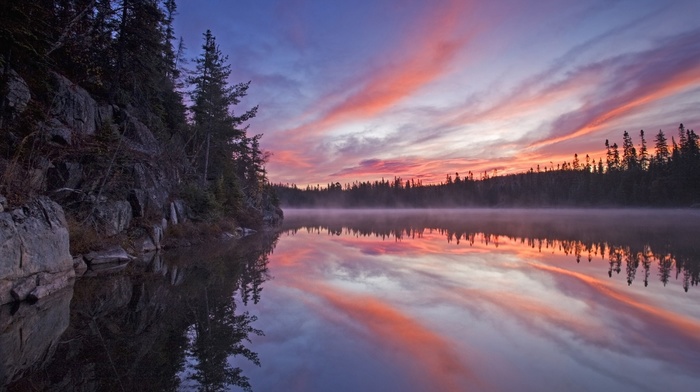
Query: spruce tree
(218, 145)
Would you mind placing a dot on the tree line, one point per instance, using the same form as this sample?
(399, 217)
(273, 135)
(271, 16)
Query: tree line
(125, 53)
(670, 176)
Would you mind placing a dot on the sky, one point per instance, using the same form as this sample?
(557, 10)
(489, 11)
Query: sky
(370, 89)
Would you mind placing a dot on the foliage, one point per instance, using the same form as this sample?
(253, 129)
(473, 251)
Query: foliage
(125, 54)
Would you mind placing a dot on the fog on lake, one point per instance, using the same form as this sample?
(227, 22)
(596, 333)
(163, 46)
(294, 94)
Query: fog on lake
(397, 300)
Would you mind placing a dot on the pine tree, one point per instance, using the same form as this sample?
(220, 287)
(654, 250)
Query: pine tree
(643, 153)
(661, 146)
(216, 132)
(629, 153)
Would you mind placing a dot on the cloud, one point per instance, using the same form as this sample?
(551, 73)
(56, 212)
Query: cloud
(377, 167)
(632, 82)
(425, 54)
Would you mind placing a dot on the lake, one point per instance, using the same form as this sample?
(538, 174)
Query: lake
(401, 300)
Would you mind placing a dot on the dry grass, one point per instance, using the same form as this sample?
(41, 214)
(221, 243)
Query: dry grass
(83, 238)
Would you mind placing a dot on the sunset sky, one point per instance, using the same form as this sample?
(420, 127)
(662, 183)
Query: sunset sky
(371, 89)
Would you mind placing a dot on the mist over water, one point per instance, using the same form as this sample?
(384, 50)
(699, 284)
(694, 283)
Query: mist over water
(453, 300)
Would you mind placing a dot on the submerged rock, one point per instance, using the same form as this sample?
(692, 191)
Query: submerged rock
(116, 254)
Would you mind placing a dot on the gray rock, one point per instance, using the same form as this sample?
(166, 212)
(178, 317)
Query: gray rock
(273, 215)
(138, 200)
(138, 136)
(33, 239)
(145, 244)
(157, 234)
(3, 203)
(73, 106)
(113, 217)
(64, 178)
(152, 241)
(112, 255)
(51, 283)
(154, 181)
(105, 115)
(182, 211)
(79, 265)
(23, 287)
(173, 214)
(18, 94)
(57, 132)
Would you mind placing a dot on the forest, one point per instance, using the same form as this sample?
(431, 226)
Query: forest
(630, 176)
(125, 54)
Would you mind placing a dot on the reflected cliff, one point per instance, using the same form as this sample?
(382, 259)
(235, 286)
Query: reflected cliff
(633, 243)
(171, 321)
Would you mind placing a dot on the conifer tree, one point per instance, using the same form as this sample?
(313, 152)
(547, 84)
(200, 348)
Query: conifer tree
(661, 146)
(643, 153)
(629, 153)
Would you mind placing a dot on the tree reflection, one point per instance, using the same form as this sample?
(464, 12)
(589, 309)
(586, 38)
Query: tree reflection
(169, 323)
(218, 335)
(636, 244)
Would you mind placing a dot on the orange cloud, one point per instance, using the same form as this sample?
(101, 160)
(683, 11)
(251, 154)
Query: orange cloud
(676, 326)
(679, 82)
(424, 56)
(397, 332)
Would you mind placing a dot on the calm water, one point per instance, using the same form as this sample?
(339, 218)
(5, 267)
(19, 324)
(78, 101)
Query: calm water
(482, 301)
(443, 300)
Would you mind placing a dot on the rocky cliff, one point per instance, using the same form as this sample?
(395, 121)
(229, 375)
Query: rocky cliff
(97, 162)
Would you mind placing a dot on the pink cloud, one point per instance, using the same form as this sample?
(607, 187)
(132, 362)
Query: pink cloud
(425, 55)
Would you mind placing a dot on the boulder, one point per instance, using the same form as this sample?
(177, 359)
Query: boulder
(57, 132)
(116, 254)
(18, 94)
(73, 106)
(79, 265)
(51, 283)
(145, 245)
(113, 217)
(3, 203)
(64, 178)
(137, 135)
(33, 239)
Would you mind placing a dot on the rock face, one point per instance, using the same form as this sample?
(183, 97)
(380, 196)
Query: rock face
(73, 106)
(18, 94)
(34, 247)
(113, 217)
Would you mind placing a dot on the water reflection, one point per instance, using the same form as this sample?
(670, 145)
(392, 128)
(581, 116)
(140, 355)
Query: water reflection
(638, 238)
(480, 301)
(172, 322)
